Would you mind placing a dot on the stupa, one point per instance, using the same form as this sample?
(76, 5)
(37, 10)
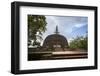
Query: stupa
(55, 40)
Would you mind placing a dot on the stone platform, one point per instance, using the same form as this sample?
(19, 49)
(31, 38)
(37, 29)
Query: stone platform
(48, 55)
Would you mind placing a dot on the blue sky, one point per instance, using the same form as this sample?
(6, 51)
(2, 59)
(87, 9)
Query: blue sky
(68, 26)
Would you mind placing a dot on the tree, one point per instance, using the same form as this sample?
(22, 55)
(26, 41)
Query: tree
(79, 43)
(36, 27)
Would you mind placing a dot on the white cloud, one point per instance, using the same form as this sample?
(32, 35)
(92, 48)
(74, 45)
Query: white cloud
(80, 25)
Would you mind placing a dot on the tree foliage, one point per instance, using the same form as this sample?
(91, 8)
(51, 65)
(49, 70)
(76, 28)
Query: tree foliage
(36, 27)
(79, 43)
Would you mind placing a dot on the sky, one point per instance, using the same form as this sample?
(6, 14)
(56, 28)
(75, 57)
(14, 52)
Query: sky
(68, 26)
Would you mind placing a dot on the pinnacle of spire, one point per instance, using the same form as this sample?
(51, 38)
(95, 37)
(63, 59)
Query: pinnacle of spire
(56, 31)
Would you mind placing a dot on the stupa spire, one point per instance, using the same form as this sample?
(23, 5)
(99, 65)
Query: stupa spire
(56, 31)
